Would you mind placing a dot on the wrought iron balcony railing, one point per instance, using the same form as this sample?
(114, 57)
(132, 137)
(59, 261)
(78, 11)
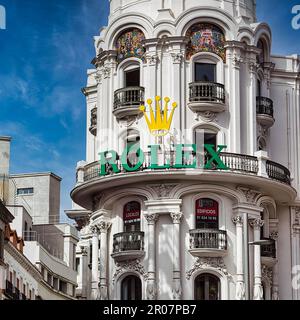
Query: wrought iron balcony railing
(269, 250)
(128, 241)
(129, 97)
(236, 163)
(264, 106)
(208, 239)
(207, 92)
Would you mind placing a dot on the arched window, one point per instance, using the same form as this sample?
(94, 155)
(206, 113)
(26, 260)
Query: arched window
(207, 287)
(205, 37)
(207, 214)
(132, 216)
(131, 288)
(262, 56)
(130, 44)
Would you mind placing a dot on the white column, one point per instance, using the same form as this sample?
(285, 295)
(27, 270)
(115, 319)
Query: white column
(83, 272)
(95, 258)
(240, 282)
(295, 237)
(151, 283)
(275, 282)
(177, 289)
(258, 293)
(103, 287)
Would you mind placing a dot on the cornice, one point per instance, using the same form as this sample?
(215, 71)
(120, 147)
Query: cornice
(23, 261)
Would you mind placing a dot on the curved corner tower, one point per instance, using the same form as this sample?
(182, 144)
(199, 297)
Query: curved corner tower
(169, 196)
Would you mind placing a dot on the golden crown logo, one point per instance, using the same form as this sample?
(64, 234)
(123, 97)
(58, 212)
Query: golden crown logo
(159, 123)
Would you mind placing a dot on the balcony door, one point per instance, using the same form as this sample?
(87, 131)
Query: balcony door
(207, 287)
(132, 78)
(131, 288)
(207, 214)
(132, 217)
(205, 72)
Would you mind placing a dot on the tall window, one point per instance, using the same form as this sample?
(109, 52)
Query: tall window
(132, 78)
(207, 287)
(1, 244)
(207, 214)
(205, 72)
(132, 216)
(131, 288)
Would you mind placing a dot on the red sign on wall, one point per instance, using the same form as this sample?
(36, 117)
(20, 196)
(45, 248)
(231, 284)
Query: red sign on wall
(132, 212)
(207, 210)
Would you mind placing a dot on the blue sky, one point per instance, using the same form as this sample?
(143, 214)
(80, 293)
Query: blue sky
(44, 54)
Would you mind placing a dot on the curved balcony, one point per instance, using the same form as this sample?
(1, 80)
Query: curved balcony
(208, 243)
(265, 112)
(93, 127)
(127, 102)
(275, 181)
(128, 246)
(206, 97)
(268, 253)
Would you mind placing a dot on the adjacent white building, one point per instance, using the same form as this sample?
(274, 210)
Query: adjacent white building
(188, 233)
(39, 260)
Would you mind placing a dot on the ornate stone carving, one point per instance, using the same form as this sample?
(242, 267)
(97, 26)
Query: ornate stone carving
(176, 217)
(104, 226)
(206, 116)
(237, 61)
(151, 218)
(253, 66)
(151, 291)
(177, 57)
(256, 223)
(126, 266)
(204, 263)
(84, 250)
(296, 217)
(237, 220)
(94, 229)
(240, 293)
(106, 72)
(152, 59)
(103, 293)
(250, 195)
(98, 76)
(163, 190)
(177, 289)
(274, 235)
(267, 273)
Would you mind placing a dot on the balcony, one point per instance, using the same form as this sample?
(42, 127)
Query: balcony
(268, 253)
(128, 246)
(208, 243)
(9, 290)
(265, 112)
(206, 97)
(276, 181)
(127, 102)
(93, 127)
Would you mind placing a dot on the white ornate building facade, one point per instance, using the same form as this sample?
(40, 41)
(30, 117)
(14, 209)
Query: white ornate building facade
(166, 232)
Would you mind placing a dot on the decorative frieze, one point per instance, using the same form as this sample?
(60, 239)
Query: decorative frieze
(177, 57)
(152, 59)
(267, 273)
